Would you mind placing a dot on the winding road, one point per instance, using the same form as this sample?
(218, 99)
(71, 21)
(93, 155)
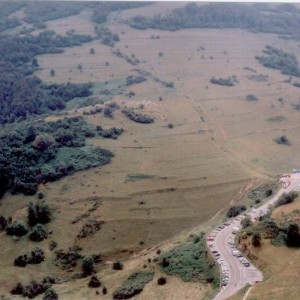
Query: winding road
(237, 271)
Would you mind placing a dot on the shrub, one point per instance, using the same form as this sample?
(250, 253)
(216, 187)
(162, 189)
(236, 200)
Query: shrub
(161, 281)
(38, 233)
(235, 210)
(52, 245)
(251, 98)
(94, 282)
(170, 125)
(37, 256)
(256, 239)
(130, 80)
(3, 223)
(87, 265)
(18, 228)
(222, 81)
(50, 294)
(117, 265)
(21, 261)
(67, 260)
(283, 140)
(89, 228)
(104, 291)
(246, 222)
(40, 195)
(18, 289)
(108, 112)
(296, 84)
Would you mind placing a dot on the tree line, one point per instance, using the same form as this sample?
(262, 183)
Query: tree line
(279, 19)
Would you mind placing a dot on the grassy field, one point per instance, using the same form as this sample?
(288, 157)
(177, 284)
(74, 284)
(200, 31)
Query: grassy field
(219, 142)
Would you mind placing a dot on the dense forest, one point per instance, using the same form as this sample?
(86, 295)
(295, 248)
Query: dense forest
(46, 151)
(36, 152)
(259, 17)
(21, 93)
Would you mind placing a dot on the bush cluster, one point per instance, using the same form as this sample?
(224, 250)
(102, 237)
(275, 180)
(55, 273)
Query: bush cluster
(235, 210)
(137, 117)
(278, 59)
(106, 36)
(130, 80)
(35, 288)
(133, 285)
(222, 81)
(111, 133)
(37, 256)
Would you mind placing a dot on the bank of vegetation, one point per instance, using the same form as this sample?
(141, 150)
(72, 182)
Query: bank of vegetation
(191, 262)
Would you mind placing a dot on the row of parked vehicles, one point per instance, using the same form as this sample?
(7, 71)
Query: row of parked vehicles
(225, 274)
(223, 265)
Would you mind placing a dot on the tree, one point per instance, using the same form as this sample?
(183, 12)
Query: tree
(117, 265)
(35, 63)
(31, 215)
(18, 228)
(256, 239)
(3, 183)
(39, 233)
(87, 265)
(38, 213)
(94, 282)
(161, 280)
(293, 236)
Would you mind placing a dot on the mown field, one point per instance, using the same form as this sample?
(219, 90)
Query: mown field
(163, 180)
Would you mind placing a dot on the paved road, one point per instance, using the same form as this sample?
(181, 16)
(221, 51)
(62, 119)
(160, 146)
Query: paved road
(236, 272)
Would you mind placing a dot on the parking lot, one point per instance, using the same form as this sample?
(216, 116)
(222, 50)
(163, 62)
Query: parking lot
(236, 270)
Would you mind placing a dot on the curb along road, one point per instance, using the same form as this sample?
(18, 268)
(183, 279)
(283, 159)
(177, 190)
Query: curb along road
(236, 270)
